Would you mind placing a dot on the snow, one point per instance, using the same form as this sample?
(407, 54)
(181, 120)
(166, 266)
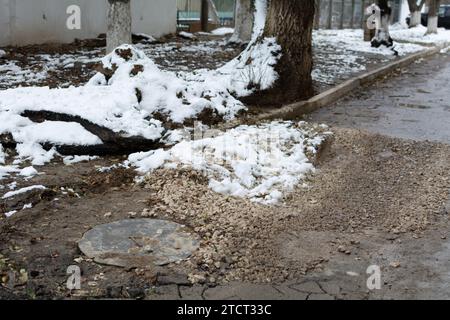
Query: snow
(76, 159)
(23, 190)
(222, 31)
(40, 65)
(5, 171)
(2, 155)
(262, 163)
(114, 104)
(353, 40)
(35, 153)
(28, 172)
(418, 35)
(10, 213)
(187, 35)
(147, 37)
(57, 132)
(2, 53)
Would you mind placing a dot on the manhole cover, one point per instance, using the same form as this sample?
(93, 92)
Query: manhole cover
(138, 243)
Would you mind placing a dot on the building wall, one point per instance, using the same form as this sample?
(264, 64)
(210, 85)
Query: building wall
(43, 21)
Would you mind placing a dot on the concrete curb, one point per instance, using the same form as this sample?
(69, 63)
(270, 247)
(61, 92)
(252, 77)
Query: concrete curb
(295, 110)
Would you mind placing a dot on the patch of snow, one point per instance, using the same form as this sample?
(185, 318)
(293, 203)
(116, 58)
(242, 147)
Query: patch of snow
(2, 155)
(28, 172)
(27, 206)
(353, 40)
(2, 53)
(222, 31)
(56, 132)
(147, 37)
(23, 190)
(35, 153)
(187, 35)
(261, 163)
(10, 213)
(76, 159)
(7, 170)
(418, 35)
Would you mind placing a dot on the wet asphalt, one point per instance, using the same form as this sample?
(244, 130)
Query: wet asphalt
(414, 104)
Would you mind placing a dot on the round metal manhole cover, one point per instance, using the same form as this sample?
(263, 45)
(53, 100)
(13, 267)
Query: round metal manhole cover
(138, 243)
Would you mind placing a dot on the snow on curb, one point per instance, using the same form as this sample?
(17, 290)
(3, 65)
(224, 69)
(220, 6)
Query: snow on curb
(261, 163)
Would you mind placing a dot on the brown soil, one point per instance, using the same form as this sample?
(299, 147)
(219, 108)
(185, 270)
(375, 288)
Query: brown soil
(365, 184)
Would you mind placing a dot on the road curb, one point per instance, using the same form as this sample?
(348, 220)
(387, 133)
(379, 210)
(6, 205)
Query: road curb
(295, 110)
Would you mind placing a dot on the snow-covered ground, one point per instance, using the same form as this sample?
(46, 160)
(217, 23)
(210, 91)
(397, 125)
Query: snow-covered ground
(340, 54)
(418, 35)
(33, 69)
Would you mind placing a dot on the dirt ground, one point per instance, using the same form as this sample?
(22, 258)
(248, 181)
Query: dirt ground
(369, 192)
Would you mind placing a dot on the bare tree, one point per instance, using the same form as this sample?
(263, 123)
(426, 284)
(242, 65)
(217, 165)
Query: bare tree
(244, 19)
(433, 10)
(415, 8)
(317, 15)
(382, 35)
(204, 15)
(119, 24)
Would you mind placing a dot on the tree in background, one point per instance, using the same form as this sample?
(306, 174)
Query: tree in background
(415, 8)
(244, 19)
(382, 35)
(119, 24)
(433, 10)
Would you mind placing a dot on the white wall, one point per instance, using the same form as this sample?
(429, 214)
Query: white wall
(42, 21)
(4, 22)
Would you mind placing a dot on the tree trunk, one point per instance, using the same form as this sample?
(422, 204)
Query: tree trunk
(244, 18)
(433, 11)
(204, 15)
(330, 14)
(317, 15)
(382, 35)
(291, 22)
(119, 24)
(415, 9)
(341, 23)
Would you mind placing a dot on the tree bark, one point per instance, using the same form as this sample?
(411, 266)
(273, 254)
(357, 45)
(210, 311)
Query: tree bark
(317, 15)
(244, 19)
(291, 22)
(415, 8)
(119, 24)
(382, 35)
(204, 15)
(433, 11)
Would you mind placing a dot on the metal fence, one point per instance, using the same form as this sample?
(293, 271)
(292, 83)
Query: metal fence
(340, 14)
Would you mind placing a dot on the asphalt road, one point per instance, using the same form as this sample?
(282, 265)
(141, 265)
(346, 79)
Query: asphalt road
(413, 105)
